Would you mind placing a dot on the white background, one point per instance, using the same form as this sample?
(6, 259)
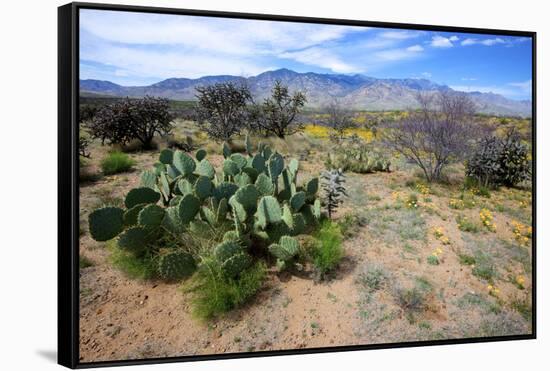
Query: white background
(28, 182)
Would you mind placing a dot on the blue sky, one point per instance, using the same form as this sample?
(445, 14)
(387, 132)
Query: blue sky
(140, 49)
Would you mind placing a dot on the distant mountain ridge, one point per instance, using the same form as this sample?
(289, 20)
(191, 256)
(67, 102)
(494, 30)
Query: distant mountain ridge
(354, 91)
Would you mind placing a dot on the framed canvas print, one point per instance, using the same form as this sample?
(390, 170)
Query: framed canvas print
(238, 185)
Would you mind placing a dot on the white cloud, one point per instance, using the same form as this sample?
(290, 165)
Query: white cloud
(468, 79)
(400, 35)
(441, 42)
(426, 75)
(486, 42)
(321, 57)
(415, 48)
(454, 38)
(399, 54)
(525, 86)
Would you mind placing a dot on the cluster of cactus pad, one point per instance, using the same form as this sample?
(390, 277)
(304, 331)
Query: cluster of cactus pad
(358, 159)
(257, 194)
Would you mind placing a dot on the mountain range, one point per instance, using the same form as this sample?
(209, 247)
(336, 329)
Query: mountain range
(353, 91)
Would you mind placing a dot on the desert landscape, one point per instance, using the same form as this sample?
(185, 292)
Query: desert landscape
(229, 213)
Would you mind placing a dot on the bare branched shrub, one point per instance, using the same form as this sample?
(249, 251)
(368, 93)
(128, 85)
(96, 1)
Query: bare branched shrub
(277, 114)
(338, 118)
(439, 133)
(222, 109)
(132, 119)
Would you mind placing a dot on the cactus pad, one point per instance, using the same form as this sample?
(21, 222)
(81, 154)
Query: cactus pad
(200, 154)
(131, 215)
(148, 179)
(225, 190)
(134, 240)
(151, 216)
(248, 197)
(184, 163)
(205, 168)
(239, 159)
(106, 223)
(166, 156)
(264, 185)
(269, 211)
(176, 265)
(188, 208)
(185, 187)
(225, 250)
(226, 151)
(297, 201)
(142, 195)
(203, 187)
(286, 249)
(235, 264)
(230, 168)
(275, 166)
(258, 163)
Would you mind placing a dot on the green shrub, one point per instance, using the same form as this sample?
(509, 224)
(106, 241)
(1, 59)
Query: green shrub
(500, 161)
(433, 260)
(328, 252)
(373, 278)
(466, 225)
(466, 259)
(484, 267)
(116, 162)
(213, 294)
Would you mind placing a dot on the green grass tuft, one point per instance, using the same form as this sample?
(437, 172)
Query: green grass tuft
(328, 252)
(116, 162)
(214, 295)
(134, 267)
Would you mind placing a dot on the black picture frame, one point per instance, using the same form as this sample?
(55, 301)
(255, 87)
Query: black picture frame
(68, 182)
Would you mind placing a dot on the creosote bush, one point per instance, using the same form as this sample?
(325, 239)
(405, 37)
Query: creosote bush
(116, 162)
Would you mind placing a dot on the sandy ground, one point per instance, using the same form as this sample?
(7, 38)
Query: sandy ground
(121, 318)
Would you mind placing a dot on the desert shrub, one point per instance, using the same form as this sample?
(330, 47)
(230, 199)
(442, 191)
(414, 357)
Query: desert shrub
(213, 294)
(373, 278)
(435, 135)
(466, 225)
(222, 109)
(329, 251)
(351, 224)
(432, 260)
(500, 161)
(116, 162)
(484, 267)
(338, 118)
(132, 119)
(277, 114)
(357, 159)
(465, 259)
(410, 299)
(334, 189)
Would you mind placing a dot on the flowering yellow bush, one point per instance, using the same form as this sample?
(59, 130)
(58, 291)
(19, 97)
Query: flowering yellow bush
(422, 188)
(323, 132)
(439, 234)
(487, 220)
(456, 204)
(493, 290)
(522, 232)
